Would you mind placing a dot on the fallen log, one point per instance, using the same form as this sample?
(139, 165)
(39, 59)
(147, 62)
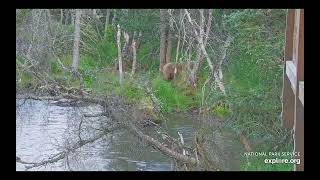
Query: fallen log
(163, 149)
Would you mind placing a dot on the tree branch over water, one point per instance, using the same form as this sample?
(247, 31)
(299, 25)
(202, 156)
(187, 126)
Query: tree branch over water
(61, 155)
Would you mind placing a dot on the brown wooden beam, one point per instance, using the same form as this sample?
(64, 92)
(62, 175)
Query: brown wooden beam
(299, 108)
(287, 93)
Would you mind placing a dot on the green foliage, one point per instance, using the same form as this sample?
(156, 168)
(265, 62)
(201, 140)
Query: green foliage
(254, 75)
(55, 67)
(170, 97)
(66, 60)
(107, 51)
(221, 111)
(21, 16)
(105, 84)
(26, 80)
(146, 56)
(130, 91)
(145, 20)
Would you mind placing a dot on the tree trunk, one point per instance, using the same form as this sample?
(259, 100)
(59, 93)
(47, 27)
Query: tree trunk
(72, 18)
(218, 73)
(35, 19)
(107, 23)
(114, 16)
(134, 61)
(49, 21)
(125, 46)
(94, 13)
(61, 16)
(199, 58)
(75, 59)
(162, 39)
(169, 45)
(138, 40)
(200, 41)
(193, 74)
(119, 54)
(179, 36)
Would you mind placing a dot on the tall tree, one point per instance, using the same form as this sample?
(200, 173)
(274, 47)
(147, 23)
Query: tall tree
(162, 38)
(134, 53)
(199, 58)
(61, 15)
(168, 43)
(114, 16)
(119, 54)
(106, 23)
(75, 58)
(165, 38)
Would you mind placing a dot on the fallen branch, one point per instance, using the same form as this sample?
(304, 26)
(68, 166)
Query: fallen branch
(163, 149)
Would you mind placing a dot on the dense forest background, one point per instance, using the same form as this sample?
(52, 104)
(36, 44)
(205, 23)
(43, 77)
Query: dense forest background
(231, 62)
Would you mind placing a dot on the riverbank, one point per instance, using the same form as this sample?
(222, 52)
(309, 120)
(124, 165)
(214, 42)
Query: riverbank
(176, 122)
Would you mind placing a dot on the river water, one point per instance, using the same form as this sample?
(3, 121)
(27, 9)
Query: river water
(43, 128)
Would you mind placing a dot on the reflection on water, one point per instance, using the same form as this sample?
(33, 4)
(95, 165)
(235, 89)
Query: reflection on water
(42, 129)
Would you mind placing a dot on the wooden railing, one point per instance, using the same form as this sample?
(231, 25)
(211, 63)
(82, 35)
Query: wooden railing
(293, 81)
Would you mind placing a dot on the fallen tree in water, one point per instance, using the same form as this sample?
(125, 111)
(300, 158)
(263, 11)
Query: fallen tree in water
(119, 113)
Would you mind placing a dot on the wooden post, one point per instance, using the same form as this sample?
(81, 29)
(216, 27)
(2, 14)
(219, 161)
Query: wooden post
(299, 107)
(293, 82)
(287, 94)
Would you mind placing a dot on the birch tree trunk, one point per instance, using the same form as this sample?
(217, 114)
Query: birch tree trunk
(61, 16)
(179, 36)
(134, 53)
(75, 58)
(119, 54)
(125, 47)
(94, 12)
(199, 58)
(200, 41)
(218, 75)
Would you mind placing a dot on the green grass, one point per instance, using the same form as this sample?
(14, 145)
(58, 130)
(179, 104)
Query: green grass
(25, 80)
(171, 97)
(130, 91)
(221, 111)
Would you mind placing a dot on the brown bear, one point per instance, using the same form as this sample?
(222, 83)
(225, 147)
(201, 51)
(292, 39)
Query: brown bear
(170, 70)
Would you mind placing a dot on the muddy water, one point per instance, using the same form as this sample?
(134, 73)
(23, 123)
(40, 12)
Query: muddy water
(43, 128)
